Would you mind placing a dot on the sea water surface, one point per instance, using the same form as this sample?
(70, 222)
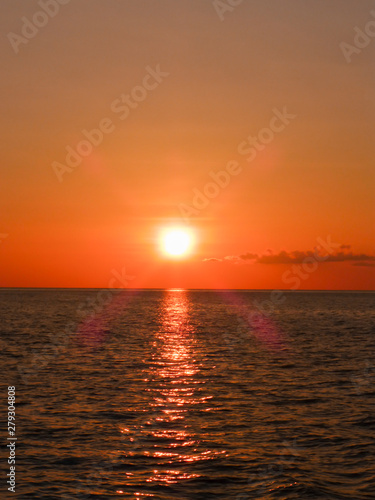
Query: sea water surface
(176, 394)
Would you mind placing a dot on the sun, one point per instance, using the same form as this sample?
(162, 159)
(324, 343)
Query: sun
(176, 242)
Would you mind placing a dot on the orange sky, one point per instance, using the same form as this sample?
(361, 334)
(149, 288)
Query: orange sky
(214, 85)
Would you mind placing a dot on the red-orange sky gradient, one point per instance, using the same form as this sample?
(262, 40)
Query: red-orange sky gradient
(214, 86)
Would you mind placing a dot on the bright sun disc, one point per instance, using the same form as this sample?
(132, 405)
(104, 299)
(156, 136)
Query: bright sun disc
(176, 242)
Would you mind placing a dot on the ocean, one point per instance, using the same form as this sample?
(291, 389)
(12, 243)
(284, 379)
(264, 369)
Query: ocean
(178, 394)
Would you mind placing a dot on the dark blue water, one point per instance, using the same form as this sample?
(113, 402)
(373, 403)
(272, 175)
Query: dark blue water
(190, 394)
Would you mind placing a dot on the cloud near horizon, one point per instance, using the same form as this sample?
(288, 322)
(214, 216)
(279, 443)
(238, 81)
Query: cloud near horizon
(298, 257)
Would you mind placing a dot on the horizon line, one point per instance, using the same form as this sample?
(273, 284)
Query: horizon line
(171, 289)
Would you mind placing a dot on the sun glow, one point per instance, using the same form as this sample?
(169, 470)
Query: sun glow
(177, 242)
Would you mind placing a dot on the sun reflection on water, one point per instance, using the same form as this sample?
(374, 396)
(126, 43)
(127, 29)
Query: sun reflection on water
(177, 394)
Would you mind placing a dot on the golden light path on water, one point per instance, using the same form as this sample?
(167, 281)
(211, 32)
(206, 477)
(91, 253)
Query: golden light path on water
(177, 394)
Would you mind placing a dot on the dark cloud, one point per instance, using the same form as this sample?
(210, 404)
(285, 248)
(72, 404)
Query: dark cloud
(248, 256)
(298, 257)
(284, 257)
(343, 257)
